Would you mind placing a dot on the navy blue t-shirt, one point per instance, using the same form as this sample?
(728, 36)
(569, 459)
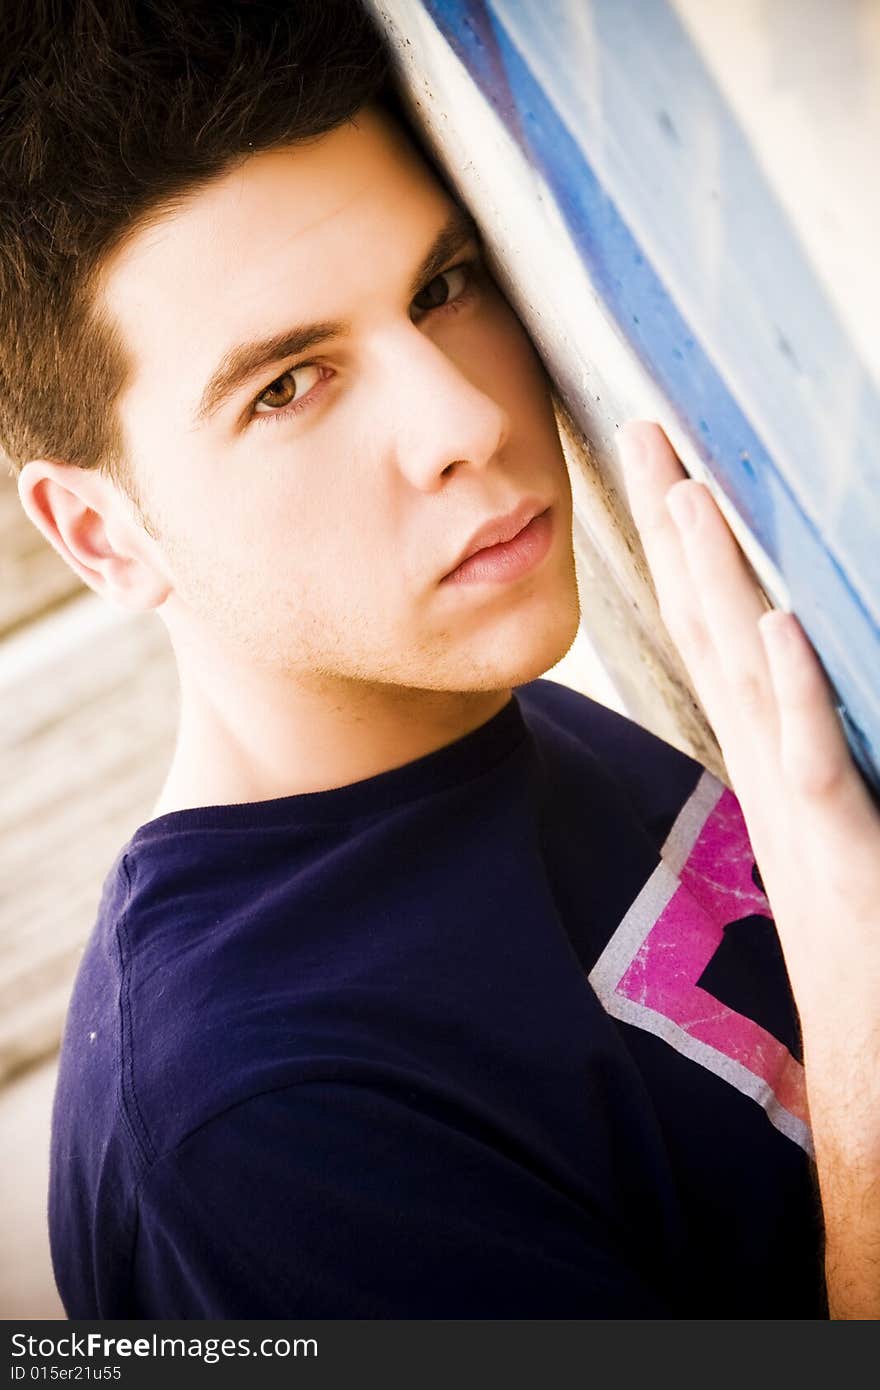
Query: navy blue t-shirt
(503, 1032)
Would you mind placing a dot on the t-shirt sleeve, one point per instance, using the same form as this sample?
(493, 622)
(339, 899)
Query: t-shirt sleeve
(333, 1200)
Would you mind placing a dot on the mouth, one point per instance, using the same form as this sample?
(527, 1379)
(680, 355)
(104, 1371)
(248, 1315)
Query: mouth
(508, 560)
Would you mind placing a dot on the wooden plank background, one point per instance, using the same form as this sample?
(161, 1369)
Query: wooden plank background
(87, 712)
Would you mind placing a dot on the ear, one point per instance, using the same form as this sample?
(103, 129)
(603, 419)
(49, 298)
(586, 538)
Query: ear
(86, 518)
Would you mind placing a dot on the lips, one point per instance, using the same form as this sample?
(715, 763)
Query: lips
(500, 529)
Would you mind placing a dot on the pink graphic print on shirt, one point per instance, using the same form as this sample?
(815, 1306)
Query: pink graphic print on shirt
(648, 973)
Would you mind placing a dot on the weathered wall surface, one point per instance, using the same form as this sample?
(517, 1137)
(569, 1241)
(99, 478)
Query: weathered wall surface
(680, 200)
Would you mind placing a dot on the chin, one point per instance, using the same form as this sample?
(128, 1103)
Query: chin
(524, 651)
(548, 635)
(545, 654)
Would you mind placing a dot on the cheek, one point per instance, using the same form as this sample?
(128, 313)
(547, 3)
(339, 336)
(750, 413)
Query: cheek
(507, 364)
(276, 552)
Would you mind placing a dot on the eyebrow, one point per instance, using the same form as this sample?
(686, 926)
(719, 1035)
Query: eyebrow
(244, 361)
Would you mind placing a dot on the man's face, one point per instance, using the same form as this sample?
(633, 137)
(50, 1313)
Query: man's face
(308, 502)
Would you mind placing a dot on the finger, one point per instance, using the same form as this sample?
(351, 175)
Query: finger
(650, 470)
(731, 604)
(650, 467)
(814, 755)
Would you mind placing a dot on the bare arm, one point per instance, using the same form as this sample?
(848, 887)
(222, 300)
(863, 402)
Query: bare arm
(813, 827)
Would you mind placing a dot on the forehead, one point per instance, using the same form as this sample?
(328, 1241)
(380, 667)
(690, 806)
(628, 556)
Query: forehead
(293, 233)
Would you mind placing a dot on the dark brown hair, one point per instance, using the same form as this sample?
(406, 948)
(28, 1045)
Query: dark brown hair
(110, 112)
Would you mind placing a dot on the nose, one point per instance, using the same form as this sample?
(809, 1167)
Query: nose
(443, 421)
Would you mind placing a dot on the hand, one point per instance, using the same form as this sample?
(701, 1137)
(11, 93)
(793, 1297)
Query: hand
(812, 823)
(813, 826)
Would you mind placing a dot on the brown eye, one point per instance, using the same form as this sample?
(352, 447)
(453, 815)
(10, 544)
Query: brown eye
(443, 289)
(286, 388)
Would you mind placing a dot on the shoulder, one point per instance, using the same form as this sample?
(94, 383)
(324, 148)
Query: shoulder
(654, 778)
(161, 1031)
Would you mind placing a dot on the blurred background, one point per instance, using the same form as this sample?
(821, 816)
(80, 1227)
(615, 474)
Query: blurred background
(681, 202)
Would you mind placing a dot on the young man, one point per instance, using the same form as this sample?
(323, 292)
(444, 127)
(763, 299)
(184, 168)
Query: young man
(430, 988)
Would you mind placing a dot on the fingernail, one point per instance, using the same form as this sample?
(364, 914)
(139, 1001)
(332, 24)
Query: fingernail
(680, 504)
(776, 629)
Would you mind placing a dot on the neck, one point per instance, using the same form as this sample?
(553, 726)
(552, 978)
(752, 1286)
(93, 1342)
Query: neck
(258, 735)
